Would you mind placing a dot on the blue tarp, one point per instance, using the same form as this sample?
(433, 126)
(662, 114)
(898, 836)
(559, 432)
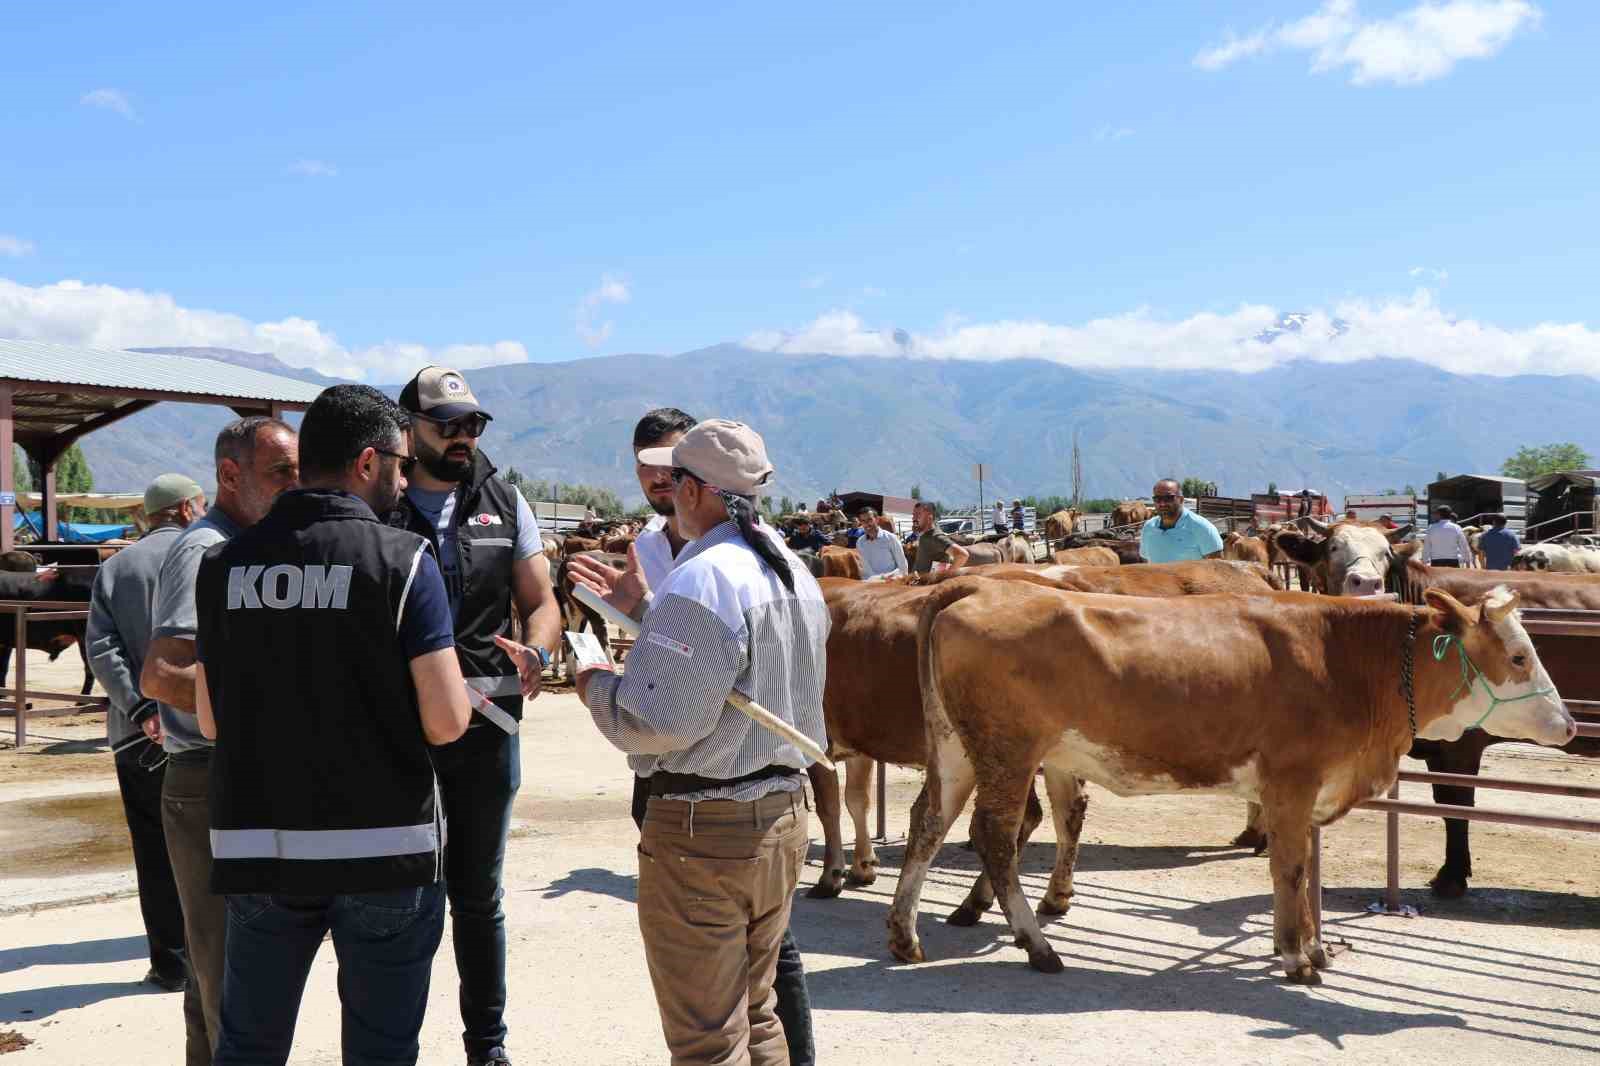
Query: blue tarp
(70, 533)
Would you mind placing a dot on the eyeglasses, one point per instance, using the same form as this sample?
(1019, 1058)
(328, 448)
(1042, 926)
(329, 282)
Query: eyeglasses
(1163, 497)
(408, 463)
(472, 425)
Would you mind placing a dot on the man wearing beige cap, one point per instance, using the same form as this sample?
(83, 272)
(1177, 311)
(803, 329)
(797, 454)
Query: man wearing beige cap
(725, 832)
(118, 637)
(487, 542)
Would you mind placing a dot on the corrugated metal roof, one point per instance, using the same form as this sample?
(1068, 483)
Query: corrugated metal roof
(68, 365)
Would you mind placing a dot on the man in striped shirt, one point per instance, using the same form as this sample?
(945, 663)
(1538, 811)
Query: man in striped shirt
(725, 832)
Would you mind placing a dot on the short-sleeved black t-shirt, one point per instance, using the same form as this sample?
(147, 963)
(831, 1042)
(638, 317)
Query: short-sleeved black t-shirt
(931, 548)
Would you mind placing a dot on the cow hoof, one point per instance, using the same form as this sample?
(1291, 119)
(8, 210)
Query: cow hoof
(965, 915)
(1447, 885)
(1046, 961)
(1304, 975)
(1319, 958)
(968, 845)
(828, 886)
(1049, 907)
(1251, 838)
(862, 876)
(906, 950)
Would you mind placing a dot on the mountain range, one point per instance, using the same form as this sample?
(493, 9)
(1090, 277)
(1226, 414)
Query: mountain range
(887, 424)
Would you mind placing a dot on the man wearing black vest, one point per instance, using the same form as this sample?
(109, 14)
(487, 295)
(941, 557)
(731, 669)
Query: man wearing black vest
(326, 668)
(488, 545)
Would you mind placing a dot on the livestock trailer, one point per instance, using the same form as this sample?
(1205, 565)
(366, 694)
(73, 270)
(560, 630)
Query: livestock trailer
(897, 508)
(1284, 506)
(1402, 508)
(1562, 504)
(1472, 496)
(1228, 513)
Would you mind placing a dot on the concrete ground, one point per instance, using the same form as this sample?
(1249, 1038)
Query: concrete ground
(1168, 944)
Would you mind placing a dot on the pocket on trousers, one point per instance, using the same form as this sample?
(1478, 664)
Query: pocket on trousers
(387, 913)
(247, 907)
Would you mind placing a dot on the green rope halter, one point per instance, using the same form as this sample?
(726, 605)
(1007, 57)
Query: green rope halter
(1471, 673)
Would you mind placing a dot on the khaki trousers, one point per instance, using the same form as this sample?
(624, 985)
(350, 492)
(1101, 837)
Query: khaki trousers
(715, 883)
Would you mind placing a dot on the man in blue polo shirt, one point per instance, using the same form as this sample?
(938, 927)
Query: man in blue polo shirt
(1498, 544)
(1176, 534)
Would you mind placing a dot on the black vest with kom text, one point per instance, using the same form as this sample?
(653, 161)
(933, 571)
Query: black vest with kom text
(320, 781)
(486, 539)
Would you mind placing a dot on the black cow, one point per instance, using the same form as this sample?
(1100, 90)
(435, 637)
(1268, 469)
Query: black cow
(53, 636)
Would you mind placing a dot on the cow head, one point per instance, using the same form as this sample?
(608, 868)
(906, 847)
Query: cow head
(1352, 560)
(1535, 558)
(1503, 687)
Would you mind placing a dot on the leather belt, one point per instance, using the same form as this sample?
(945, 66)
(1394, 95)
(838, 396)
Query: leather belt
(663, 783)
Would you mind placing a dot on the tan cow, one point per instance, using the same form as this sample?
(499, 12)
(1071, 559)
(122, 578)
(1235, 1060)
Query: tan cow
(871, 703)
(1346, 558)
(1130, 512)
(1245, 549)
(1086, 557)
(1061, 524)
(840, 562)
(1293, 701)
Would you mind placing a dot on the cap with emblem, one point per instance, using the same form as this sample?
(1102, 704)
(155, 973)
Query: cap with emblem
(440, 393)
(727, 455)
(169, 490)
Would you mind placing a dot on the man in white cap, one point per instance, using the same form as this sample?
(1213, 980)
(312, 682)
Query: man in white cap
(118, 638)
(725, 832)
(488, 546)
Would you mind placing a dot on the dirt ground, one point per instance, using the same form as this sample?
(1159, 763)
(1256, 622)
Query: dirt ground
(1168, 944)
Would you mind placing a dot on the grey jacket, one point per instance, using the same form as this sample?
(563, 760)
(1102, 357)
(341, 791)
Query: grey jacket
(119, 629)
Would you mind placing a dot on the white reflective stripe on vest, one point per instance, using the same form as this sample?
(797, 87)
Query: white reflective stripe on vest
(324, 843)
(490, 542)
(494, 714)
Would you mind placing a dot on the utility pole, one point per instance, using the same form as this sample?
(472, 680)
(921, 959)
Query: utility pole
(978, 525)
(1077, 472)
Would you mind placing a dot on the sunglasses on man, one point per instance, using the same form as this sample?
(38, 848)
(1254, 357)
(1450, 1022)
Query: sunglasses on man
(408, 463)
(1165, 497)
(472, 425)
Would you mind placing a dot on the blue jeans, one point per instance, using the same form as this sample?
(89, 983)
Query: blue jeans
(478, 779)
(385, 942)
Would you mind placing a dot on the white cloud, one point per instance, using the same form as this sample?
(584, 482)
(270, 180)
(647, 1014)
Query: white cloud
(1417, 45)
(1430, 273)
(110, 100)
(15, 247)
(1112, 133)
(1412, 327)
(313, 168)
(104, 316)
(594, 330)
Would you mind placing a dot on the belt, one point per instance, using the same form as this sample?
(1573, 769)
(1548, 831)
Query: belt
(191, 756)
(663, 783)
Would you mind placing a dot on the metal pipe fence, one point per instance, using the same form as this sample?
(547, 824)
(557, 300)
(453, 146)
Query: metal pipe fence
(19, 694)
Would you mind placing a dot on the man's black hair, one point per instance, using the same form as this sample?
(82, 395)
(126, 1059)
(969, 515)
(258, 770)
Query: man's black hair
(237, 441)
(659, 424)
(344, 421)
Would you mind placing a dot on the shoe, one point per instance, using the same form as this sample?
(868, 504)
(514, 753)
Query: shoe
(496, 1057)
(167, 984)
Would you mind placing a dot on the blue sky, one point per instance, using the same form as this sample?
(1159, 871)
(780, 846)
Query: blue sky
(367, 187)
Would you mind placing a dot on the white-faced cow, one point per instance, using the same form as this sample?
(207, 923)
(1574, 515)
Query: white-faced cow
(1295, 701)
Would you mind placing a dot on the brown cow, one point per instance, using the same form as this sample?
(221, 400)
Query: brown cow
(617, 544)
(840, 562)
(1346, 558)
(1293, 701)
(1087, 557)
(1130, 512)
(1061, 524)
(1245, 549)
(576, 545)
(871, 705)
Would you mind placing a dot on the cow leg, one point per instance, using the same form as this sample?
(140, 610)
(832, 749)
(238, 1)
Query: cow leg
(858, 800)
(825, 786)
(1464, 756)
(945, 790)
(1313, 938)
(1290, 824)
(999, 815)
(88, 675)
(1254, 833)
(1068, 803)
(981, 897)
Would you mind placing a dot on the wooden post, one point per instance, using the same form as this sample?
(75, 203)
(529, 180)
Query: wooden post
(19, 676)
(1392, 834)
(1315, 888)
(883, 801)
(8, 478)
(47, 504)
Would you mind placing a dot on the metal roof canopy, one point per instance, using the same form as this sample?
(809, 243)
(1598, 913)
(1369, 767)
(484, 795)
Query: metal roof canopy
(53, 394)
